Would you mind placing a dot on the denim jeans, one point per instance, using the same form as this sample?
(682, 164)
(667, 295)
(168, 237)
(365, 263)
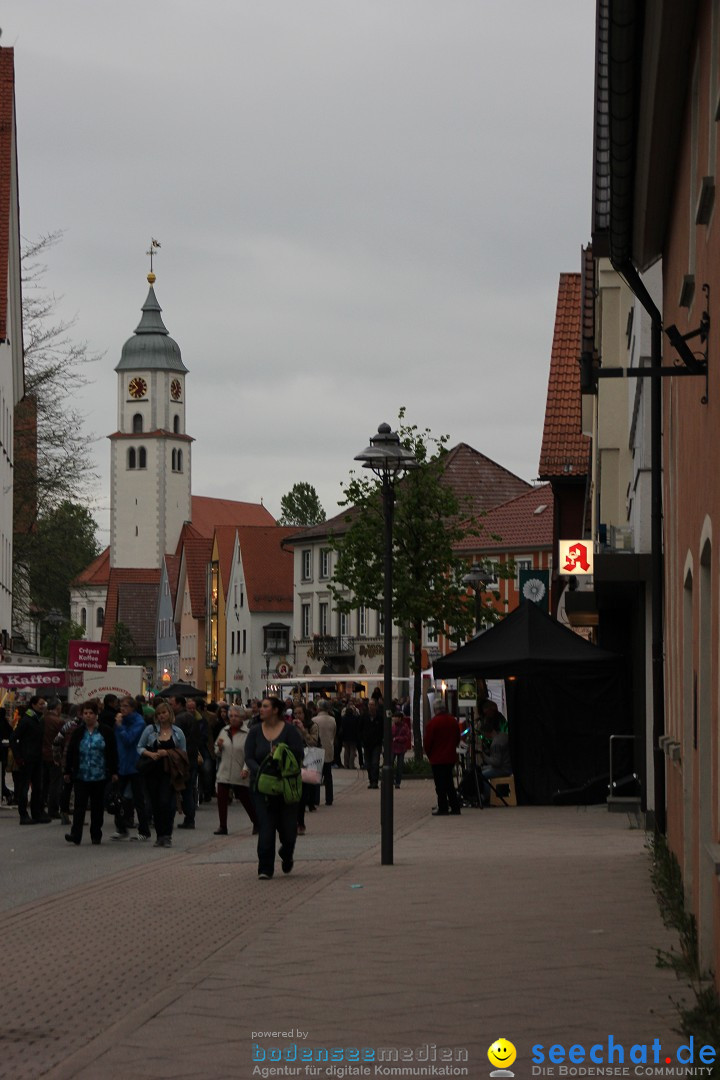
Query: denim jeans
(489, 774)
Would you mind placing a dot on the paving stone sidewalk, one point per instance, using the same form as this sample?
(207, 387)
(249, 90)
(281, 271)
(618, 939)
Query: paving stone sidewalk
(534, 924)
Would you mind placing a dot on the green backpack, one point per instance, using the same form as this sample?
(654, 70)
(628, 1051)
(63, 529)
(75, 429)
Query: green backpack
(279, 774)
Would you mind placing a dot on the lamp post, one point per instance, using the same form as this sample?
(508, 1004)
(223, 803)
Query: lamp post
(477, 577)
(266, 658)
(387, 458)
(54, 619)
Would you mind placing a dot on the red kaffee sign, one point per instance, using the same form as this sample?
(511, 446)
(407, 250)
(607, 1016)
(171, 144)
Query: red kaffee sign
(88, 655)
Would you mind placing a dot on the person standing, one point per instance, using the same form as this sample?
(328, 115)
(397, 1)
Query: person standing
(310, 734)
(188, 719)
(129, 726)
(275, 816)
(349, 734)
(91, 761)
(52, 772)
(371, 731)
(401, 743)
(26, 744)
(231, 769)
(442, 735)
(327, 728)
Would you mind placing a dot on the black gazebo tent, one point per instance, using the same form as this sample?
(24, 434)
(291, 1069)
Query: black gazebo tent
(565, 699)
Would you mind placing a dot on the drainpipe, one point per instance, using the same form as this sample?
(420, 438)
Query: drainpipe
(631, 276)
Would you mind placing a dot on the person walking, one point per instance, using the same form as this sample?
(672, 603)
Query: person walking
(371, 731)
(90, 762)
(310, 734)
(164, 768)
(442, 735)
(232, 773)
(276, 818)
(401, 743)
(327, 728)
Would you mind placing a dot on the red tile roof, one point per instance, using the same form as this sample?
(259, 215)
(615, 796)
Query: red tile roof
(517, 525)
(225, 540)
(137, 609)
(121, 576)
(565, 450)
(172, 565)
(478, 481)
(98, 571)
(198, 553)
(208, 513)
(268, 568)
(7, 139)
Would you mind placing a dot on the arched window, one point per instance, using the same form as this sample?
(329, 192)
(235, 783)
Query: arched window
(174, 461)
(100, 617)
(176, 424)
(137, 423)
(142, 458)
(179, 459)
(131, 458)
(83, 618)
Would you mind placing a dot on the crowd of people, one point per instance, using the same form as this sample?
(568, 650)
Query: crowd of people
(145, 762)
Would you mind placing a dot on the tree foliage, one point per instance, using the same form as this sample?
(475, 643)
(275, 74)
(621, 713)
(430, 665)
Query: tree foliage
(429, 521)
(301, 506)
(58, 647)
(62, 544)
(122, 644)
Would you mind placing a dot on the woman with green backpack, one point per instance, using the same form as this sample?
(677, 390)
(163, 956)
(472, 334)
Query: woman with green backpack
(273, 754)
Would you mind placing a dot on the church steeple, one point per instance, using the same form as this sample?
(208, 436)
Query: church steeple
(150, 451)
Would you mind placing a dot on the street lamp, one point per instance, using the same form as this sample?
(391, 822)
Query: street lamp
(54, 619)
(266, 658)
(387, 458)
(476, 578)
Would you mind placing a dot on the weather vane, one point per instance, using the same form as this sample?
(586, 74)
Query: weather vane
(154, 245)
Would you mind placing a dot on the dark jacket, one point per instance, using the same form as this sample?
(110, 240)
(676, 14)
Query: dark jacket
(191, 728)
(350, 726)
(371, 728)
(257, 747)
(72, 760)
(27, 739)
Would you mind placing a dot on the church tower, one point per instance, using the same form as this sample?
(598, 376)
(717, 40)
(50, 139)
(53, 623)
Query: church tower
(150, 451)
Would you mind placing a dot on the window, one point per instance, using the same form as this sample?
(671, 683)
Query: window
(131, 458)
(305, 620)
(142, 458)
(276, 638)
(83, 618)
(173, 459)
(176, 425)
(137, 423)
(100, 617)
(307, 565)
(344, 624)
(430, 634)
(325, 563)
(244, 634)
(362, 622)
(179, 461)
(381, 623)
(521, 564)
(323, 619)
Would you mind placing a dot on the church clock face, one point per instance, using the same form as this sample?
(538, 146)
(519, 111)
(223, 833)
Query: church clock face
(137, 387)
(176, 389)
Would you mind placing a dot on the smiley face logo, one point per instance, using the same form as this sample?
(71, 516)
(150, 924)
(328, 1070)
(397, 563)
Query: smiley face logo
(502, 1054)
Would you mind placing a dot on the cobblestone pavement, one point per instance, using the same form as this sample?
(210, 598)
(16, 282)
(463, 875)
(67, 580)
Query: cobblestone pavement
(535, 924)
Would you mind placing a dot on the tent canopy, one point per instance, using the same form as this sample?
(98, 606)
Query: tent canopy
(525, 642)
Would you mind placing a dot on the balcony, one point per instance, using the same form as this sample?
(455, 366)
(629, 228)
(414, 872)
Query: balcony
(327, 647)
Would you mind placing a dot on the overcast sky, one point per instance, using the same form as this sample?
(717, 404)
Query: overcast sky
(362, 204)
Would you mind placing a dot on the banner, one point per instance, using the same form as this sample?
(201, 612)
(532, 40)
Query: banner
(28, 680)
(88, 655)
(535, 585)
(467, 693)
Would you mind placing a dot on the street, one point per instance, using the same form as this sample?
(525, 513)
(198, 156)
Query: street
(536, 924)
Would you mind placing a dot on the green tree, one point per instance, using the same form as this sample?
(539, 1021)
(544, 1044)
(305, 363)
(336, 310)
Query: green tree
(122, 644)
(61, 544)
(51, 646)
(301, 506)
(429, 521)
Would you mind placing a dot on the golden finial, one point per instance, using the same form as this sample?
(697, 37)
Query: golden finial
(154, 245)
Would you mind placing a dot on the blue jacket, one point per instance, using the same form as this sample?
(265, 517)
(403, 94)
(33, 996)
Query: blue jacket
(127, 736)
